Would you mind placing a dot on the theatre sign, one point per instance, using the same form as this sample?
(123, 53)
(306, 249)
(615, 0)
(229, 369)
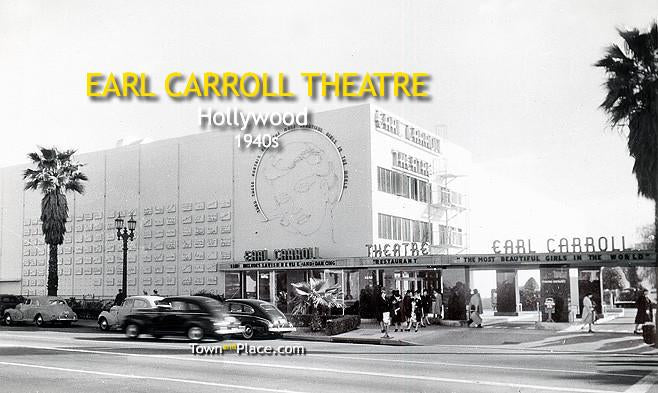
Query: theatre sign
(561, 245)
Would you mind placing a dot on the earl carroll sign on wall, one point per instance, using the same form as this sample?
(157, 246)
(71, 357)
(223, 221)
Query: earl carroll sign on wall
(563, 244)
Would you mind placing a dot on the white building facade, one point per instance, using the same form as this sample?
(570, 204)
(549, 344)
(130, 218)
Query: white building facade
(359, 182)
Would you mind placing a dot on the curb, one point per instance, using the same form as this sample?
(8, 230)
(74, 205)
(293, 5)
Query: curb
(351, 340)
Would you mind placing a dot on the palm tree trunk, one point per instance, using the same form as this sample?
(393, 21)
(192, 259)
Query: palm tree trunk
(52, 271)
(655, 244)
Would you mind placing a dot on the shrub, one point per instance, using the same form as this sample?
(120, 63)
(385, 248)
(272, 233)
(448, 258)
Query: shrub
(305, 320)
(342, 324)
(88, 308)
(211, 295)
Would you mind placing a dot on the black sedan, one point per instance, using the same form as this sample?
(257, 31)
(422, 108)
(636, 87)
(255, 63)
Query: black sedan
(259, 317)
(193, 316)
(9, 301)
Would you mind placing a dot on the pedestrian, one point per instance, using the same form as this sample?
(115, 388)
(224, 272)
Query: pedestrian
(588, 312)
(155, 292)
(644, 311)
(406, 309)
(475, 308)
(426, 304)
(145, 292)
(396, 310)
(416, 312)
(119, 298)
(381, 307)
(437, 303)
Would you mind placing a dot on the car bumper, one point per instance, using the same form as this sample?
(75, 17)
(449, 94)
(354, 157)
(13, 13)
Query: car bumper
(229, 330)
(65, 319)
(282, 329)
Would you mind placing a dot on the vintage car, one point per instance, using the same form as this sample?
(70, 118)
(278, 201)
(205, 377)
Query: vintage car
(9, 301)
(193, 316)
(113, 319)
(259, 317)
(40, 310)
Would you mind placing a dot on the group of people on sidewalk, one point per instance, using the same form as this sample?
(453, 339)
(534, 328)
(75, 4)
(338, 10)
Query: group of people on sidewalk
(412, 310)
(644, 312)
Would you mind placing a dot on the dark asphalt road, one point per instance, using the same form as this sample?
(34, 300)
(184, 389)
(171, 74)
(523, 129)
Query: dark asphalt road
(82, 360)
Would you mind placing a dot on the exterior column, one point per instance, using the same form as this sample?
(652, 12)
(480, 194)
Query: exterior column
(555, 284)
(507, 290)
(455, 292)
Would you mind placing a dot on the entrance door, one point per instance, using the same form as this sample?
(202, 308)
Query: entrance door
(409, 281)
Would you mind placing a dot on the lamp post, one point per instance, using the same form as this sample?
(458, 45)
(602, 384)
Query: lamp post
(124, 234)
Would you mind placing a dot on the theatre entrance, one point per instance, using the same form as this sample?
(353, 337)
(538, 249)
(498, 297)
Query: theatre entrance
(414, 280)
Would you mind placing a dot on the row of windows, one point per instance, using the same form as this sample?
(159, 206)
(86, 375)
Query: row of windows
(449, 197)
(404, 229)
(450, 236)
(403, 185)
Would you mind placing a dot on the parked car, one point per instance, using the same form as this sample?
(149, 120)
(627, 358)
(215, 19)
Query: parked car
(193, 316)
(114, 318)
(8, 301)
(41, 310)
(259, 317)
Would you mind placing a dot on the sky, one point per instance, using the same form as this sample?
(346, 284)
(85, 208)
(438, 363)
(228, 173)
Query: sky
(512, 81)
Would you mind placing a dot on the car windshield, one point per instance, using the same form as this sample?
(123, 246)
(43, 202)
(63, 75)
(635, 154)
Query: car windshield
(271, 310)
(57, 301)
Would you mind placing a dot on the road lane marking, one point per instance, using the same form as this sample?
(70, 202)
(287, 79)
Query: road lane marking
(331, 370)
(162, 379)
(561, 371)
(644, 384)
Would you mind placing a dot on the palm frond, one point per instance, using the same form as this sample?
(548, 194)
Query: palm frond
(316, 295)
(632, 100)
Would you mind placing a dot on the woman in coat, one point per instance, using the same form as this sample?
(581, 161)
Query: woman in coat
(475, 309)
(417, 311)
(396, 310)
(588, 312)
(406, 309)
(644, 311)
(437, 302)
(381, 306)
(426, 303)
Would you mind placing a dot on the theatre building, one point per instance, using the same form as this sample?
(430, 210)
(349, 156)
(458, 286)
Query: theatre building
(352, 197)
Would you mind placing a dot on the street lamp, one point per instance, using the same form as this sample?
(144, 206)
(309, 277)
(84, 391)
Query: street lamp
(124, 234)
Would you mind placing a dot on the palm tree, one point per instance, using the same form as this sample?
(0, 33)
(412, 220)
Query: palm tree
(632, 101)
(317, 295)
(54, 174)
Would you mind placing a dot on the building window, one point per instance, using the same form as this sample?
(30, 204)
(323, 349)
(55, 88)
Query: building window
(264, 286)
(232, 287)
(404, 229)
(250, 285)
(451, 236)
(403, 185)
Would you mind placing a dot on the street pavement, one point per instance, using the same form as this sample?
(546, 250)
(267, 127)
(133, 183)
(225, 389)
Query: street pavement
(82, 359)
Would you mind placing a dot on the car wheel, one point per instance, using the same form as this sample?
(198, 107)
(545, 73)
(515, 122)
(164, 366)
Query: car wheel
(195, 333)
(103, 325)
(38, 320)
(132, 331)
(248, 333)
(7, 319)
